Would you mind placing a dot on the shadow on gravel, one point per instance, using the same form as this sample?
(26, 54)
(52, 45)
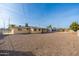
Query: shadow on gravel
(15, 53)
(34, 33)
(2, 36)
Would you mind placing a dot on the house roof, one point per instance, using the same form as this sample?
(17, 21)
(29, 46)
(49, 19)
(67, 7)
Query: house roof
(31, 27)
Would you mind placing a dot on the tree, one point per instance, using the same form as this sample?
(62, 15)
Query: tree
(12, 26)
(74, 26)
(26, 24)
(50, 28)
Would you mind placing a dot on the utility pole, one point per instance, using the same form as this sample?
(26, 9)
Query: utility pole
(9, 37)
(24, 13)
(4, 25)
(9, 21)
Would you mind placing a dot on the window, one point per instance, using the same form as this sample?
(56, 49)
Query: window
(34, 29)
(39, 29)
(19, 29)
(27, 28)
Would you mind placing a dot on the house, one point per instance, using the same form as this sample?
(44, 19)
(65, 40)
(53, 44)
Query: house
(71, 31)
(20, 30)
(45, 30)
(27, 30)
(35, 29)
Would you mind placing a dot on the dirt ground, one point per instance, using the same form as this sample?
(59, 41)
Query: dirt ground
(48, 44)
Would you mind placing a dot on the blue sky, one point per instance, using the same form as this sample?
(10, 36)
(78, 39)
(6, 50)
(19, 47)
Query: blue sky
(40, 15)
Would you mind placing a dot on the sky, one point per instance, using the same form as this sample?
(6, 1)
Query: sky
(59, 15)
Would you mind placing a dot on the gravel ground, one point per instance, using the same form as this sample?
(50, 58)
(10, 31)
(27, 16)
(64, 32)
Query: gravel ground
(49, 44)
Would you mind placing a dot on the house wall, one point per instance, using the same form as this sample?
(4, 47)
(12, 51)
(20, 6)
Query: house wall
(44, 30)
(22, 30)
(28, 30)
(35, 30)
(71, 31)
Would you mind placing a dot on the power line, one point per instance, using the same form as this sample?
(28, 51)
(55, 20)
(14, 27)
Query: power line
(13, 11)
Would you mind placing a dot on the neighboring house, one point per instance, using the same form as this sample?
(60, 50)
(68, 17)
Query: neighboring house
(71, 31)
(7, 31)
(35, 30)
(45, 30)
(38, 30)
(17, 30)
(26, 30)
